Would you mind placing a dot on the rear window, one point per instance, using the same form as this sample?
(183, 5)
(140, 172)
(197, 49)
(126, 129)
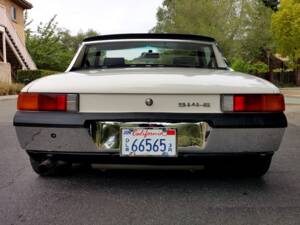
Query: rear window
(148, 54)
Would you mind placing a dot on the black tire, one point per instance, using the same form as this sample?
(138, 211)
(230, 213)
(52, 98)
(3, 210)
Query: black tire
(252, 166)
(56, 168)
(258, 166)
(249, 166)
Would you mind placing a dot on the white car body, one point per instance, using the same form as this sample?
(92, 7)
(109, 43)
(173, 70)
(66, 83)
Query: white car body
(122, 90)
(117, 96)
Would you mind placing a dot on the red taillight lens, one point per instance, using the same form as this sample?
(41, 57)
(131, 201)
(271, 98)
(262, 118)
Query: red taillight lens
(42, 102)
(254, 103)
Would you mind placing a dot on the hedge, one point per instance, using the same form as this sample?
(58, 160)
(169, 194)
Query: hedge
(26, 76)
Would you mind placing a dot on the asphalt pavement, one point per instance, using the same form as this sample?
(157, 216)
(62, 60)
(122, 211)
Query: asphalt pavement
(147, 197)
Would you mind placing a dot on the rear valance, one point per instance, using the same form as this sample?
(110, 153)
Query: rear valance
(217, 120)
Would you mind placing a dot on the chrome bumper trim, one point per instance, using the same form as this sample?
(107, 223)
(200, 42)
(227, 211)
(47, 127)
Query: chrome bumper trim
(217, 140)
(190, 136)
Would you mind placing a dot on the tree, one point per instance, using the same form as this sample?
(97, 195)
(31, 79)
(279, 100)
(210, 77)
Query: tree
(241, 27)
(257, 35)
(51, 47)
(46, 48)
(286, 30)
(72, 42)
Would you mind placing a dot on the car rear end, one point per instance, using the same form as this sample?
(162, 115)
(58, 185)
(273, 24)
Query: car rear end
(151, 116)
(73, 127)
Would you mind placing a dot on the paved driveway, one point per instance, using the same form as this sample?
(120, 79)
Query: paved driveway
(147, 197)
(292, 95)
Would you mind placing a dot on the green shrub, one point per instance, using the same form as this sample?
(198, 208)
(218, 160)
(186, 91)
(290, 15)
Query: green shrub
(251, 68)
(26, 76)
(259, 68)
(10, 89)
(241, 66)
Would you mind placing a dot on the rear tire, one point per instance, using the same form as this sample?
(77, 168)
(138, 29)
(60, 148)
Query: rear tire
(249, 166)
(252, 166)
(56, 168)
(259, 166)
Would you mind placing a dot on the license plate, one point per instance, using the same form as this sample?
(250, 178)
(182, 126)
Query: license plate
(159, 142)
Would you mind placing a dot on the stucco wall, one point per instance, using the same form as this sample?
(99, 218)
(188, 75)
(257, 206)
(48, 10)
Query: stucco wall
(5, 72)
(19, 23)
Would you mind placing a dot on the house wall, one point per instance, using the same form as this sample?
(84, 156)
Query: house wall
(19, 23)
(5, 72)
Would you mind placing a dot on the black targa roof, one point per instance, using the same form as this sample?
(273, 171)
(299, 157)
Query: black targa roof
(150, 36)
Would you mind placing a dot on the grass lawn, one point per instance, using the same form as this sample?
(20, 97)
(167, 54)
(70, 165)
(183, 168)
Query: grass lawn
(10, 89)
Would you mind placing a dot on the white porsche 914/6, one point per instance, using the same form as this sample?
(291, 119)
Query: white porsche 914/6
(150, 99)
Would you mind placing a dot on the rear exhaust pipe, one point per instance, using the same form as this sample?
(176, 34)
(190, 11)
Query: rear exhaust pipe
(46, 165)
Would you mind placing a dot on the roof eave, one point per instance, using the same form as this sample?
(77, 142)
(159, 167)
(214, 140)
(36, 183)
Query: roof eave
(24, 4)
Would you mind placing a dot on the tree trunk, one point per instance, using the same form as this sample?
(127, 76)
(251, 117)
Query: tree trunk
(271, 77)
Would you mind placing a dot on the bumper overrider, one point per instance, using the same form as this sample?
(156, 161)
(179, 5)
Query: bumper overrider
(197, 134)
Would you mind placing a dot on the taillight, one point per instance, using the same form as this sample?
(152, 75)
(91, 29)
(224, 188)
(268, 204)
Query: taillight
(47, 102)
(253, 103)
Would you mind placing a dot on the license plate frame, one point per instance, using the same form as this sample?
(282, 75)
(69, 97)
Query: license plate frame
(172, 153)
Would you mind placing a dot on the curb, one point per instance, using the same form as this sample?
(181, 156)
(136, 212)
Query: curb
(8, 97)
(292, 96)
(292, 101)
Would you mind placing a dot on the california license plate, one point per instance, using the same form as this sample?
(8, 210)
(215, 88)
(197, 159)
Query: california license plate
(159, 142)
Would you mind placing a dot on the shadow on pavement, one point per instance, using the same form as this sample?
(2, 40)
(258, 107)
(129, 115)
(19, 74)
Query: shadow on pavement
(166, 180)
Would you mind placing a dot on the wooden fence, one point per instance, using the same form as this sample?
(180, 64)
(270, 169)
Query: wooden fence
(280, 78)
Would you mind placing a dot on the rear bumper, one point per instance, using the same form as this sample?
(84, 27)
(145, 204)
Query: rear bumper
(228, 133)
(215, 120)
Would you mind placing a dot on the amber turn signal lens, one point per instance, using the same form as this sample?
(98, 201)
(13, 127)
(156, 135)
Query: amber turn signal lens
(42, 102)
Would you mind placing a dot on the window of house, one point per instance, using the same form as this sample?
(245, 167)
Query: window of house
(14, 13)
